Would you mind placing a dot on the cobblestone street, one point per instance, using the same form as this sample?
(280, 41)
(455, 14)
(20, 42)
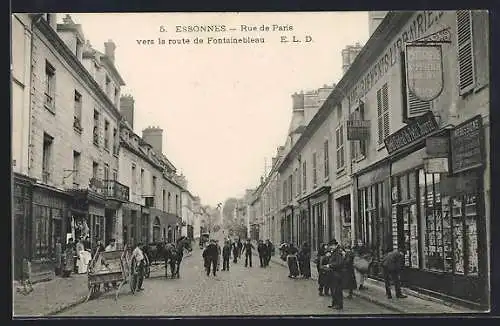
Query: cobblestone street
(241, 291)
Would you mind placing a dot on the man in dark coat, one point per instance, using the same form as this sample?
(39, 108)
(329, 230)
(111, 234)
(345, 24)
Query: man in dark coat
(240, 248)
(335, 265)
(226, 253)
(262, 250)
(247, 248)
(270, 249)
(210, 255)
(321, 261)
(305, 260)
(235, 252)
(392, 264)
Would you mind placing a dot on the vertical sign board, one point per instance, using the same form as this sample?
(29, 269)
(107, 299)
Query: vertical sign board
(467, 145)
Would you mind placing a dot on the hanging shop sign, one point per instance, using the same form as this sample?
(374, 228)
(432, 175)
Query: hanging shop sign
(415, 130)
(358, 129)
(424, 70)
(437, 146)
(467, 145)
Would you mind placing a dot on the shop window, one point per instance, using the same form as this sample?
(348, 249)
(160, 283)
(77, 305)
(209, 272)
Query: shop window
(42, 234)
(145, 229)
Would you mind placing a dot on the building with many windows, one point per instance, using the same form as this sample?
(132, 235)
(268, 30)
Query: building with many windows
(397, 155)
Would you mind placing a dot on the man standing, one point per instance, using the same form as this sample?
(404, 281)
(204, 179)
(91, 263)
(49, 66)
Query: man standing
(226, 252)
(335, 265)
(262, 250)
(219, 254)
(240, 247)
(392, 264)
(235, 252)
(247, 248)
(138, 262)
(210, 257)
(270, 250)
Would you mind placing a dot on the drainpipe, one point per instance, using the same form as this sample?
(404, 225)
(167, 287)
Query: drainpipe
(34, 19)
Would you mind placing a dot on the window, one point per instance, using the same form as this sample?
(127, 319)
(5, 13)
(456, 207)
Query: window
(176, 205)
(285, 189)
(108, 87)
(115, 141)
(340, 147)
(134, 179)
(383, 113)
(77, 121)
(145, 229)
(169, 203)
(290, 187)
(141, 180)
(358, 147)
(299, 181)
(117, 97)
(339, 112)
(106, 134)
(115, 175)
(106, 171)
(163, 200)
(47, 157)
(315, 175)
(76, 169)
(304, 176)
(154, 187)
(48, 227)
(326, 159)
(95, 133)
(95, 170)
(50, 86)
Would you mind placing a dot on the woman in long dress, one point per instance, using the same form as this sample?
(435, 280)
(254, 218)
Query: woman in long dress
(291, 258)
(83, 257)
(348, 278)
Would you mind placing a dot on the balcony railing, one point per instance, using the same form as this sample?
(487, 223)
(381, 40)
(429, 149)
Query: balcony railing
(114, 189)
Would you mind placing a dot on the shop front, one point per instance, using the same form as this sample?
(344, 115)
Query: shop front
(304, 222)
(49, 211)
(320, 211)
(287, 224)
(87, 218)
(22, 221)
(437, 213)
(130, 222)
(341, 216)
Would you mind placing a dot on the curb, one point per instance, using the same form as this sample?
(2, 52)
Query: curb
(66, 307)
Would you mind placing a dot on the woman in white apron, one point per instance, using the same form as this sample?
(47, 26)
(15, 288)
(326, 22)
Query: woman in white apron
(83, 257)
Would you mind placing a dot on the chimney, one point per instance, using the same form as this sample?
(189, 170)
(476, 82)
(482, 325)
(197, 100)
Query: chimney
(298, 101)
(127, 109)
(109, 50)
(154, 137)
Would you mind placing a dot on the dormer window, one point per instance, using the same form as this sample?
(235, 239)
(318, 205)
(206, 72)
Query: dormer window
(79, 47)
(108, 86)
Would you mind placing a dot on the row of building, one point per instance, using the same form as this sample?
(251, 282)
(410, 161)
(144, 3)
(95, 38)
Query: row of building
(79, 167)
(396, 154)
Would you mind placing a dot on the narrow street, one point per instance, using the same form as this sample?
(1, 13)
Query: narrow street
(241, 291)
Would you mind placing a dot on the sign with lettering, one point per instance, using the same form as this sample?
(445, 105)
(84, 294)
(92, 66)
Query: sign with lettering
(358, 129)
(437, 146)
(436, 165)
(415, 130)
(467, 145)
(424, 70)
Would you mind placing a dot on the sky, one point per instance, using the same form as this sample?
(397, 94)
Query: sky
(224, 108)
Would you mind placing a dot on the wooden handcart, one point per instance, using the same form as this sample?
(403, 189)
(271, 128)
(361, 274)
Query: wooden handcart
(107, 267)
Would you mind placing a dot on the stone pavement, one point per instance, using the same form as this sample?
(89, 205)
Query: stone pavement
(51, 297)
(241, 291)
(416, 303)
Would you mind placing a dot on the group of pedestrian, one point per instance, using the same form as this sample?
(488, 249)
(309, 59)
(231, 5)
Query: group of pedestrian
(346, 268)
(299, 261)
(265, 250)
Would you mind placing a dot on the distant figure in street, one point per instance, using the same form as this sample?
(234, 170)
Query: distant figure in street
(226, 253)
(361, 263)
(348, 278)
(59, 254)
(262, 250)
(247, 248)
(392, 263)
(335, 265)
(235, 252)
(305, 260)
(240, 247)
(270, 251)
(210, 257)
(321, 261)
(293, 264)
(219, 254)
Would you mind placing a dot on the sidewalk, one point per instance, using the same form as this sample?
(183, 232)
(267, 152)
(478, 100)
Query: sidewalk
(48, 298)
(416, 303)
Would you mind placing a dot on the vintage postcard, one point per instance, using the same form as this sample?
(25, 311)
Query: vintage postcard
(250, 164)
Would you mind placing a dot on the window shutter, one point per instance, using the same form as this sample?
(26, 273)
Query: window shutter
(362, 143)
(480, 32)
(380, 117)
(465, 52)
(385, 102)
(416, 107)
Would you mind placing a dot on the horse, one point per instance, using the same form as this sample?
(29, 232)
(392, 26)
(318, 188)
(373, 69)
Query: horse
(173, 255)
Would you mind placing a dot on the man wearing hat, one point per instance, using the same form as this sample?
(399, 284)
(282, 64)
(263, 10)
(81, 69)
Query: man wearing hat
(335, 264)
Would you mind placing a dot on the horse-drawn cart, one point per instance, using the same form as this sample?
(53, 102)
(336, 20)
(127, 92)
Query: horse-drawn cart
(110, 268)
